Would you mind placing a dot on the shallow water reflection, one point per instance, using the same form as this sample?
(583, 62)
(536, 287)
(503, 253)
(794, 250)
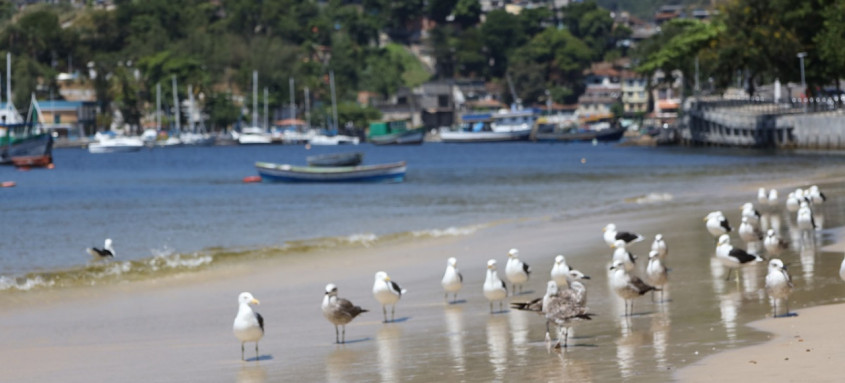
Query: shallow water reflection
(497, 344)
(252, 373)
(389, 347)
(455, 332)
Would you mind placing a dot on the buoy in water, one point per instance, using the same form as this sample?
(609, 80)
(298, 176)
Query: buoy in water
(7, 184)
(252, 179)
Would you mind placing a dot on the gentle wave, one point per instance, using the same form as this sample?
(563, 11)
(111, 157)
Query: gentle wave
(165, 260)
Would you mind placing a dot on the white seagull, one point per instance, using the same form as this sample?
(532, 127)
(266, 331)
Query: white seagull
(659, 245)
(621, 254)
(559, 271)
(627, 286)
(816, 196)
(657, 273)
(106, 252)
(732, 257)
(762, 196)
(494, 288)
(753, 215)
(387, 292)
(774, 244)
(516, 271)
(249, 325)
(773, 198)
(717, 224)
(339, 311)
(792, 203)
(778, 284)
(748, 232)
(805, 219)
(452, 279)
(611, 235)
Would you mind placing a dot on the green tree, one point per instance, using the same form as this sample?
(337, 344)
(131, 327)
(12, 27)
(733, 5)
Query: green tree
(502, 33)
(831, 40)
(467, 13)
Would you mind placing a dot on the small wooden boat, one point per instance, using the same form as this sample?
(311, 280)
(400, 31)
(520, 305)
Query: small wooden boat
(270, 172)
(395, 133)
(336, 159)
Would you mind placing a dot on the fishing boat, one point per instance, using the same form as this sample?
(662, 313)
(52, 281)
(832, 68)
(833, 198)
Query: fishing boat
(394, 133)
(511, 125)
(253, 135)
(572, 135)
(270, 172)
(23, 142)
(111, 143)
(336, 159)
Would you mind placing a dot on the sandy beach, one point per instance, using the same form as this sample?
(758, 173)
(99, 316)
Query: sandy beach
(178, 328)
(806, 347)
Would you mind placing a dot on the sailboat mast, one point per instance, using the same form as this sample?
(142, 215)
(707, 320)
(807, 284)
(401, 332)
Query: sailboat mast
(334, 99)
(191, 122)
(158, 106)
(292, 102)
(255, 98)
(176, 105)
(8, 78)
(307, 109)
(266, 122)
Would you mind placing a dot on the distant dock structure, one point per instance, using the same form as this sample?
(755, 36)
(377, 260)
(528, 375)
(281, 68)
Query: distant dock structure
(809, 123)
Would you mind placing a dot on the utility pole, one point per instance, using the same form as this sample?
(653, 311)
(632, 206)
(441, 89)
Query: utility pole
(334, 99)
(255, 98)
(176, 105)
(292, 101)
(158, 106)
(266, 121)
(307, 109)
(801, 56)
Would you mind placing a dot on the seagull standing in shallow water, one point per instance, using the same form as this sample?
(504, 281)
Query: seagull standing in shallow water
(621, 254)
(774, 244)
(611, 235)
(452, 279)
(627, 286)
(559, 271)
(657, 273)
(516, 270)
(717, 224)
(387, 292)
(249, 325)
(339, 311)
(806, 222)
(494, 288)
(106, 252)
(659, 245)
(732, 257)
(778, 284)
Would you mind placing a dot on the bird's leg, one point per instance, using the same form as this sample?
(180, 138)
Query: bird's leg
(728, 277)
(501, 310)
(242, 351)
(565, 337)
(336, 335)
(393, 313)
(343, 339)
(787, 308)
(256, 351)
(491, 307)
(384, 310)
(455, 298)
(446, 297)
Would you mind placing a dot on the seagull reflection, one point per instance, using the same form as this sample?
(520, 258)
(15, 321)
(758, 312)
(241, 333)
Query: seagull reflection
(751, 279)
(572, 370)
(519, 322)
(660, 326)
(339, 363)
(497, 344)
(455, 331)
(808, 261)
(729, 305)
(717, 271)
(252, 373)
(389, 349)
(775, 223)
(765, 222)
(626, 347)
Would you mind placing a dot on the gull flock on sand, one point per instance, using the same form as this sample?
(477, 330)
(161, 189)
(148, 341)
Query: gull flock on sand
(565, 302)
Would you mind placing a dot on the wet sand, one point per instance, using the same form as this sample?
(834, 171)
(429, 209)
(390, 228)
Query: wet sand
(178, 328)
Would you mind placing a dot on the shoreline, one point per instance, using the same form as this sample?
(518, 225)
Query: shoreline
(804, 347)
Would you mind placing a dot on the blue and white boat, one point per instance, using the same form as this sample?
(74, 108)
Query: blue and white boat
(270, 172)
(508, 125)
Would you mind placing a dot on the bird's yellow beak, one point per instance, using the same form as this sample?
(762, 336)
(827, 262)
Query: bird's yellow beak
(387, 279)
(705, 219)
(604, 229)
(255, 301)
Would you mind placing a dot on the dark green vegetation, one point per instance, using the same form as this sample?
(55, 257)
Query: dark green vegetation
(759, 39)
(215, 46)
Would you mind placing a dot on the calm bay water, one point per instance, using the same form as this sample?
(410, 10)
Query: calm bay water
(184, 200)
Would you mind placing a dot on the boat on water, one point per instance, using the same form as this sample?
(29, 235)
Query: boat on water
(27, 148)
(336, 159)
(270, 172)
(253, 135)
(510, 125)
(111, 143)
(338, 139)
(394, 133)
(599, 132)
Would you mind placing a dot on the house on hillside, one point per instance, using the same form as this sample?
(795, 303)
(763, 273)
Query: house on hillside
(597, 102)
(634, 93)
